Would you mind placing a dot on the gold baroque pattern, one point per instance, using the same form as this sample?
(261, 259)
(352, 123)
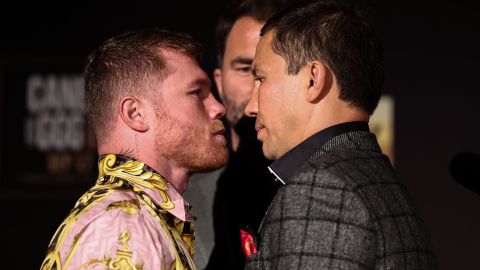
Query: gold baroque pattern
(123, 260)
(132, 172)
(110, 179)
(131, 207)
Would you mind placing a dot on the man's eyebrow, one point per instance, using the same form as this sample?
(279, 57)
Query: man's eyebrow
(241, 60)
(198, 82)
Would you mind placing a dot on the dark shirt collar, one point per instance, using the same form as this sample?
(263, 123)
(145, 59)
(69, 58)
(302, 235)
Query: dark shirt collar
(284, 167)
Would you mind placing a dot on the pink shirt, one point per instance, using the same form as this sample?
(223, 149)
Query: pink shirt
(131, 219)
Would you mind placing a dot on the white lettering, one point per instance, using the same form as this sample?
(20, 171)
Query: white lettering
(56, 112)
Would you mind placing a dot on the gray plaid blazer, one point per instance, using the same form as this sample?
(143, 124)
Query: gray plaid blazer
(345, 208)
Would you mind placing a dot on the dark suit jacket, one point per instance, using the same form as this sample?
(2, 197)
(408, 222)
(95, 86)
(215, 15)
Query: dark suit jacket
(243, 193)
(345, 208)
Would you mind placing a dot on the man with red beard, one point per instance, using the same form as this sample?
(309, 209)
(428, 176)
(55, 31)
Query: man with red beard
(156, 123)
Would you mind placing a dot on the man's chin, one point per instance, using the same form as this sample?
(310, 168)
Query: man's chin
(270, 155)
(215, 160)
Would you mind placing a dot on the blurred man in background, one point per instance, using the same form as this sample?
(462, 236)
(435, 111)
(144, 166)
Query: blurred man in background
(241, 192)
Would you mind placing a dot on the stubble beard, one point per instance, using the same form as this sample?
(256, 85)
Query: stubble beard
(190, 147)
(234, 111)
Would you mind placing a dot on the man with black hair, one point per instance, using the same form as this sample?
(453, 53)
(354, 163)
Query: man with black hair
(318, 71)
(240, 193)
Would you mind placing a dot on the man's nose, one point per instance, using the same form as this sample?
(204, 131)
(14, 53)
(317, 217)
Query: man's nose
(216, 109)
(251, 110)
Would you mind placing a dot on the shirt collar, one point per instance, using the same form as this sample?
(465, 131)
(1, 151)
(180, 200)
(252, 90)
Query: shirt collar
(148, 180)
(284, 167)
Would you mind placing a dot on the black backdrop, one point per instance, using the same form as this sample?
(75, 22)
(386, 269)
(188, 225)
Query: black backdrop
(431, 58)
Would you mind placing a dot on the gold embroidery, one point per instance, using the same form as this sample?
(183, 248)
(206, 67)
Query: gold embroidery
(74, 246)
(88, 200)
(124, 257)
(184, 247)
(175, 239)
(107, 182)
(131, 207)
(132, 172)
(188, 238)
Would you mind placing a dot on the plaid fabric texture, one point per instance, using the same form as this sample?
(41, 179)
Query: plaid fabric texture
(344, 209)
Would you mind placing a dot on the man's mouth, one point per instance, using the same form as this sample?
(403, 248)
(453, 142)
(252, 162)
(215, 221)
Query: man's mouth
(219, 132)
(218, 128)
(259, 128)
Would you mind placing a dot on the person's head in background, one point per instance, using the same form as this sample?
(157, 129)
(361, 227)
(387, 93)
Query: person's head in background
(236, 36)
(316, 65)
(148, 98)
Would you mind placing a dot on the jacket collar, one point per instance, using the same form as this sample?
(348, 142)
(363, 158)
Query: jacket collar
(284, 167)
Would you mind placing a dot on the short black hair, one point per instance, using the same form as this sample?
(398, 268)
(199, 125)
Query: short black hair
(341, 34)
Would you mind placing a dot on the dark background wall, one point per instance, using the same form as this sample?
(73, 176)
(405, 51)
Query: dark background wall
(431, 58)
(432, 69)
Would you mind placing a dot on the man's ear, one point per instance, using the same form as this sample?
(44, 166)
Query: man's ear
(217, 76)
(317, 75)
(133, 113)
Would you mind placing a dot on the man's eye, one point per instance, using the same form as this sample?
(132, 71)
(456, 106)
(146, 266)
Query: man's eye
(244, 70)
(197, 92)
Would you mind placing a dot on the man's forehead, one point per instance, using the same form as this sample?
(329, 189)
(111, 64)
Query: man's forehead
(192, 78)
(245, 27)
(265, 40)
(242, 40)
(185, 67)
(263, 52)
(175, 55)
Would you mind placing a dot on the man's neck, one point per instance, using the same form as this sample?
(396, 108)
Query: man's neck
(141, 146)
(176, 176)
(321, 117)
